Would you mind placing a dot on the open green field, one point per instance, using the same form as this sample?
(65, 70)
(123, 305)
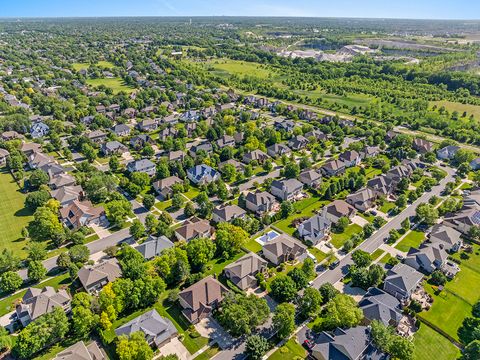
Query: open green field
(13, 215)
(339, 239)
(430, 345)
(412, 239)
(80, 66)
(103, 64)
(224, 67)
(459, 107)
(290, 351)
(116, 84)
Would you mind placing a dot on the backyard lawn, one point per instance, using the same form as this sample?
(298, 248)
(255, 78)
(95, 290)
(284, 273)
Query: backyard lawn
(464, 285)
(430, 345)
(413, 239)
(339, 239)
(290, 351)
(13, 215)
(253, 246)
(116, 84)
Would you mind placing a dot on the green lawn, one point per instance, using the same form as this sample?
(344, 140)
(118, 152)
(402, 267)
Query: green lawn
(217, 265)
(106, 64)
(116, 84)
(163, 205)
(339, 239)
(413, 239)
(461, 108)
(253, 246)
(376, 254)
(430, 345)
(80, 66)
(384, 259)
(13, 215)
(319, 255)
(209, 353)
(192, 193)
(447, 312)
(465, 284)
(387, 206)
(7, 304)
(290, 351)
(303, 209)
(240, 68)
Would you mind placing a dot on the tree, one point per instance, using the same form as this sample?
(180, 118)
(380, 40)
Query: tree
(284, 320)
(256, 346)
(283, 288)
(36, 271)
(83, 320)
(308, 268)
(36, 199)
(427, 214)
(200, 251)
(132, 263)
(299, 278)
(286, 209)
(342, 311)
(6, 341)
(177, 201)
(401, 348)
(470, 330)
(137, 230)
(10, 281)
(230, 239)
(79, 254)
(471, 351)
(117, 211)
(310, 303)
(438, 278)
(9, 261)
(291, 170)
(89, 152)
(401, 201)
(328, 292)
(189, 209)
(361, 258)
(45, 225)
(341, 224)
(148, 201)
(38, 178)
(134, 347)
(240, 314)
(114, 163)
(37, 251)
(381, 335)
(63, 260)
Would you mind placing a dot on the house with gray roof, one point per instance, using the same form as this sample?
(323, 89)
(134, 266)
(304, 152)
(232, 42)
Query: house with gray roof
(4, 154)
(143, 165)
(61, 180)
(39, 129)
(311, 178)
(284, 248)
(315, 229)
(333, 168)
(447, 236)
(202, 174)
(158, 330)
(286, 189)
(80, 351)
(243, 271)
(94, 277)
(147, 125)
(298, 142)
(227, 213)
(256, 155)
(363, 199)
(97, 136)
(464, 220)
(225, 140)
(164, 187)
(337, 209)
(139, 141)
(67, 194)
(378, 305)
(260, 202)
(278, 150)
(194, 228)
(350, 158)
(153, 246)
(37, 302)
(428, 257)
(113, 147)
(121, 130)
(402, 281)
(448, 152)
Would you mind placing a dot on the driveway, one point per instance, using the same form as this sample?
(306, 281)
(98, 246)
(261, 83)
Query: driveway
(357, 219)
(209, 328)
(176, 347)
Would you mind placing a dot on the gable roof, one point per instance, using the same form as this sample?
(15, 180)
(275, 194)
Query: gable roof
(244, 268)
(283, 245)
(154, 246)
(78, 209)
(349, 344)
(229, 212)
(403, 277)
(193, 228)
(376, 304)
(109, 270)
(80, 351)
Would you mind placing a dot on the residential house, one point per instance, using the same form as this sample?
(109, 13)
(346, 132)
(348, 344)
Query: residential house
(169, 132)
(311, 178)
(278, 150)
(202, 174)
(194, 228)
(287, 189)
(61, 180)
(139, 141)
(81, 213)
(315, 229)
(143, 165)
(97, 136)
(198, 300)
(369, 151)
(382, 185)
(338, 209)
(4, 154)
(284, 248)
(164, 187)
(121, 130)
(402, 281)
(158, 330)
(227, 213)
(113, 147)
(203, 146)
(129, 113)
(363, 199)
(147, 125)
(422, 146)
(243, 271)
(475, 164)
(350, 158)
(447, 236)
(11, 135)
(464, 219)
(260, 202)
(239, 167)
(38, 130)
(224, 141)
(38, 159)
(80, 351)
(286, 125)
(94, 277)
(153, 246)
(333, 168)
(448, 152)
(29, 148)
(428, 257)
(65, 195)
(178, 155)
(379, 305)
(317, 134)
(37, 302)
(298, 142)
(256, 155)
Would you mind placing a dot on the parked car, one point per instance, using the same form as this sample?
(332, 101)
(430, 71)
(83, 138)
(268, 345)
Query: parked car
(308, 344)
(334, 264)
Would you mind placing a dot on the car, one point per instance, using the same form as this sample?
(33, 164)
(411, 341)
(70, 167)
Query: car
(310, 283)
(320, 268)
(400, 257)
(308, 344)
(334, 264)
(309, 334)
(373, 212)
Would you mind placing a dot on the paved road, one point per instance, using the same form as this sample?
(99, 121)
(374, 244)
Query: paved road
(94, 247)
(260, 179)
(377, 239)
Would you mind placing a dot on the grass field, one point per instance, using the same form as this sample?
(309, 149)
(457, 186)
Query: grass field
(253, 246)
(103, 64)
(387, 206)
(376, 254)
(13, 215)
(80, 66)
(116, 84)
(461, 108)
(240, 68)
(413, 239)
(339, 239)
(290, 351)
(430, 345)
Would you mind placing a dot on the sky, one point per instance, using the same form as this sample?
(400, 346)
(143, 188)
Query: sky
(411, 9)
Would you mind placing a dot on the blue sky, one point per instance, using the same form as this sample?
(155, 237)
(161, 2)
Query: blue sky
(418, 9)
